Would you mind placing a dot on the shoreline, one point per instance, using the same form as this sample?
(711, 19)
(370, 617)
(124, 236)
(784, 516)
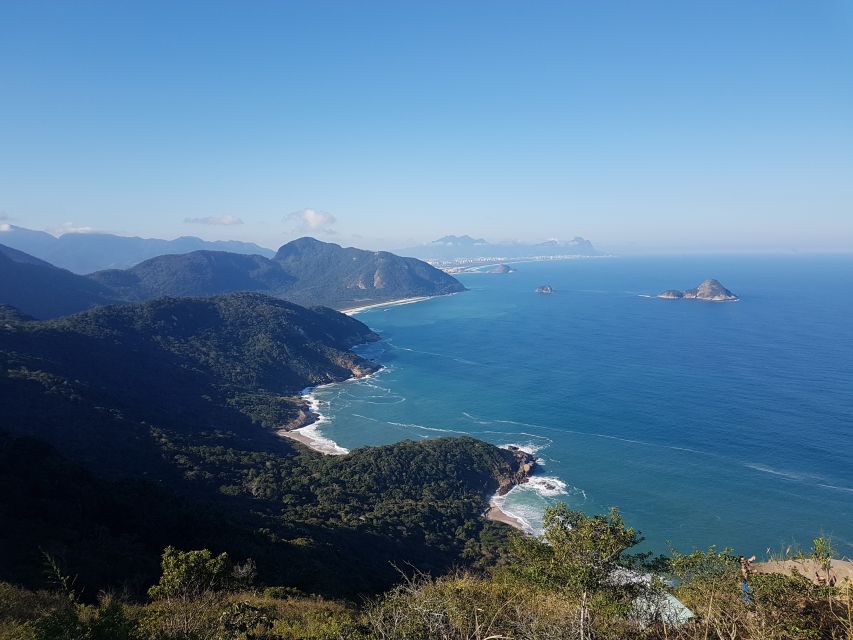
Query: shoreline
(496, 514)
(305, 427)
(390, 303)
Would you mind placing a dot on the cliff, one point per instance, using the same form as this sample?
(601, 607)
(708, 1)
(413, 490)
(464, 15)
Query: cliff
(522, 465)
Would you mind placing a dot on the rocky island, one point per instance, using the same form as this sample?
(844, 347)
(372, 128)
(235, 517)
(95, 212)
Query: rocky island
(501, 268)
(545, 288)
(710, 290)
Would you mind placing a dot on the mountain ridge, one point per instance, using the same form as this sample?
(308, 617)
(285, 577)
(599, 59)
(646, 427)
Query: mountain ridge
(305, 271)
(84, 253)
(449, 249)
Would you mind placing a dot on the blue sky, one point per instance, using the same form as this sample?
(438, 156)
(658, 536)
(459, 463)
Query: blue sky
(644, 126)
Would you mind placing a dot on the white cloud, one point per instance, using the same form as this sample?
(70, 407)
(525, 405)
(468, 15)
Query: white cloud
(226, 221)
(69, 227)
(312, 220)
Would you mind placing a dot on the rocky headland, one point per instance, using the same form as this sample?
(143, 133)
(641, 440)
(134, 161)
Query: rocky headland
(710, 290)
(522, 467)
(305, 412)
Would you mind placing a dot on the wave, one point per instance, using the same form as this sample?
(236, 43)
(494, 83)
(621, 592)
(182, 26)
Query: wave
(440, 355)
(591, 434)
(320, 442)
(836, 487)
(545, 486)
(789, 475)
(527, 447)
(425, 428)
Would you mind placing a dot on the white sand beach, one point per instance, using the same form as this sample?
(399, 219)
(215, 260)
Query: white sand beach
(496, 514)
(391, 303)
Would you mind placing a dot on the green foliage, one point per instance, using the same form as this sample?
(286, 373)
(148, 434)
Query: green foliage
(711, 566)
(822, 553)
(189, 574)
(243, 621)
(578, 552)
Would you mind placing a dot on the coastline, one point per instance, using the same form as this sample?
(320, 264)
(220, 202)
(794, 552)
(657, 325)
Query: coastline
(496, 514)
(305, 428)
(391, 303)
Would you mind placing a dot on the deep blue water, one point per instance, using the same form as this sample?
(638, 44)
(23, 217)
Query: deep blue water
(705, 423)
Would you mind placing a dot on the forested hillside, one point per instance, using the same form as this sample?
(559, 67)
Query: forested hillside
(172, 405)
(305, 271)
(41, 290)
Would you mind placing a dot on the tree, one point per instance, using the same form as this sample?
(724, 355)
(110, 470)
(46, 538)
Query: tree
(190, 574)
(822, 554)
(577, 553)
(580, 555)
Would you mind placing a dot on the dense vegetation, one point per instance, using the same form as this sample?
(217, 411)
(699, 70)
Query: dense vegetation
(145, 496)
(41, 290)
(173, 404)
(304, 271)
(345, 277)
(568, 585)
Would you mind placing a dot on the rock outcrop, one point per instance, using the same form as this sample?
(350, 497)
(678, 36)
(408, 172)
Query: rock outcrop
(525, 463)
(545, 288)
(710, 290)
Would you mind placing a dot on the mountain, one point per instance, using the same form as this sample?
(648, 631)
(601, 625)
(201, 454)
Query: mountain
(340, 277)
(460, 241)
(41, 290)
(127, 423)
(451, 249)
(200, 273)
(305, 271)
(88, 252)
(178, 360)
(710, 290)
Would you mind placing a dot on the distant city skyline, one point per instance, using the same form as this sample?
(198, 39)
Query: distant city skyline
(652, 127)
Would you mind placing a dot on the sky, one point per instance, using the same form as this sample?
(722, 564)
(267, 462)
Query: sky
(646, 127)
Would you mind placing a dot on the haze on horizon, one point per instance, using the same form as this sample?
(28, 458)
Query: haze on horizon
(644, 127)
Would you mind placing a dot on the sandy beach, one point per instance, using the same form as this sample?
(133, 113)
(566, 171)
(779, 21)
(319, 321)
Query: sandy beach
(391, 303)
(295, 435)
(495, 514)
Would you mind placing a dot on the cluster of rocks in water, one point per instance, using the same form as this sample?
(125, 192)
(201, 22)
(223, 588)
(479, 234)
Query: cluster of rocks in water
(709, 290)
(545, 288)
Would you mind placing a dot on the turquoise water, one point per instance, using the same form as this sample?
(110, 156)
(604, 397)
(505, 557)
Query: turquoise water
(705, 423)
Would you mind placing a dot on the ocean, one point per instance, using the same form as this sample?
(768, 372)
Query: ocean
(727, 424)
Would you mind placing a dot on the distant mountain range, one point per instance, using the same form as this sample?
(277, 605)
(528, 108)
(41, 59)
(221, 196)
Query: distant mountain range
(462, 248)
(41, 290)
(305, 271)
(88, 252)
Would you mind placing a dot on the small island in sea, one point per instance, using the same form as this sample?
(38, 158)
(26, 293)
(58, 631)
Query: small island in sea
(710, 290)
(501, 268)
(545, 288)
